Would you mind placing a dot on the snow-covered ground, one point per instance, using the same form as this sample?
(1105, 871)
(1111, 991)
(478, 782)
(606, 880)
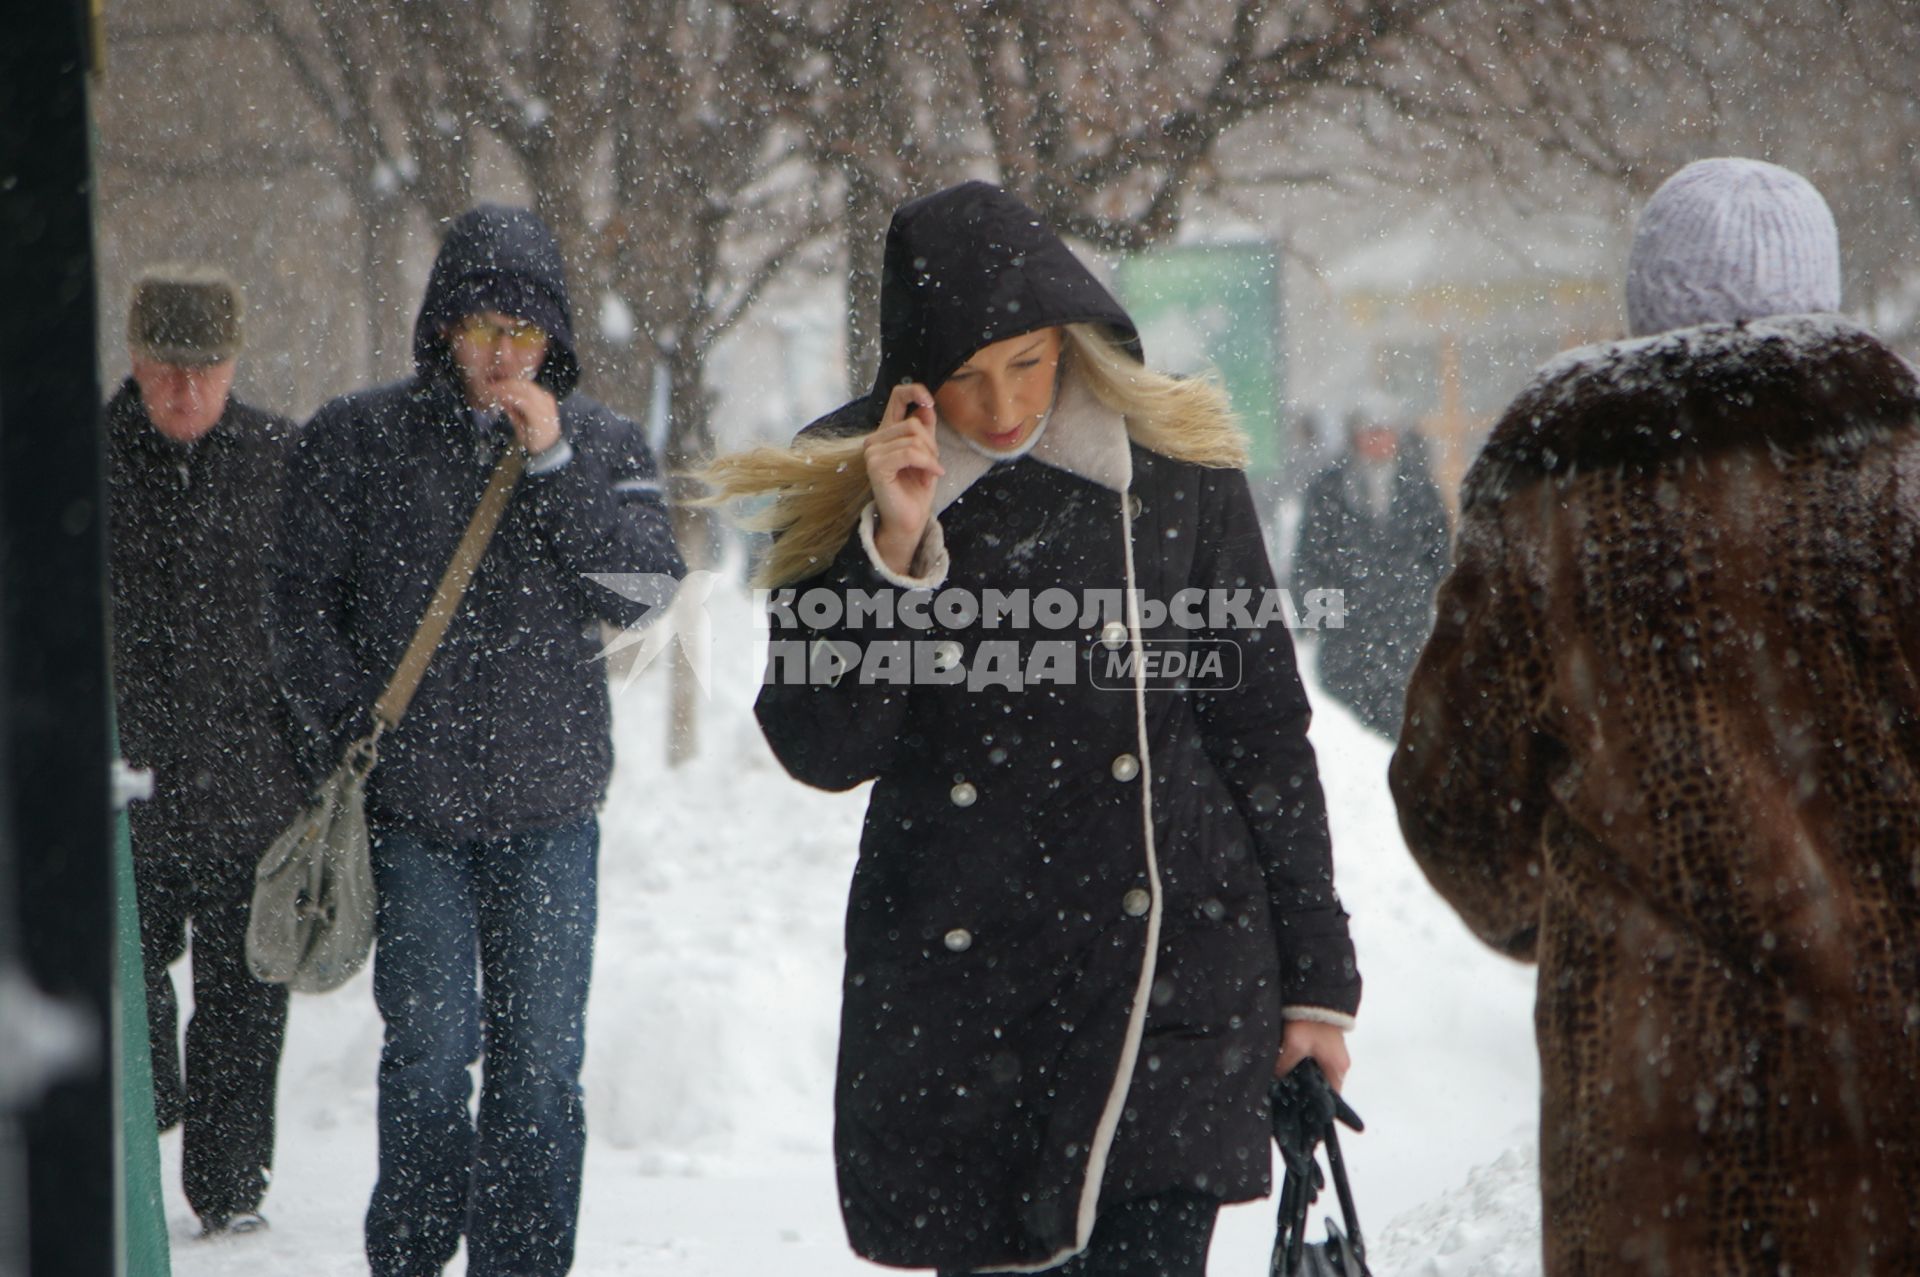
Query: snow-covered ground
(711, 1036)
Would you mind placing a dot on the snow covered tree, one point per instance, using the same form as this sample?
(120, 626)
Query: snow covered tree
(1113, 117)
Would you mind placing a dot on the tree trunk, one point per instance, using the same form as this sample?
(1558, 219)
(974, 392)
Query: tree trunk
(383, 310)
(689, 445)
(864, 227)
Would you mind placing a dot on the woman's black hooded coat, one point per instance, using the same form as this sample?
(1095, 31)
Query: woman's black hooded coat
(1079, 910)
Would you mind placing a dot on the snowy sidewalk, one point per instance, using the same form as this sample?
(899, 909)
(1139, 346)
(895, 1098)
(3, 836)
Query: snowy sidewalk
(711, 1036)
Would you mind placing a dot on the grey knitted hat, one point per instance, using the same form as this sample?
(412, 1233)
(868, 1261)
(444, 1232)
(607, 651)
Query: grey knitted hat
(1729, 239)
(184, 315)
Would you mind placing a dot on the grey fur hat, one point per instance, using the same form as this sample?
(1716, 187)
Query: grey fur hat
(185, 315)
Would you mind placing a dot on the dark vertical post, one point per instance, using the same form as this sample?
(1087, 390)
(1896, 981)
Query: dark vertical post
(55, 818)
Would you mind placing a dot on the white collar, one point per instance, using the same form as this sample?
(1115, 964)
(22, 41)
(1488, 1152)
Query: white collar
(1083, 436)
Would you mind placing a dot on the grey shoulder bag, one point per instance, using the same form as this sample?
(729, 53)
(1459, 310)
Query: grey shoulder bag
(313, 898)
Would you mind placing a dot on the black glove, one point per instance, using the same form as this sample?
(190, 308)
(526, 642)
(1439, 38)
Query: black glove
(1305, 1108)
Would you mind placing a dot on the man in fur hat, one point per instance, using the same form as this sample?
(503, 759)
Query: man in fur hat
(194, 477)
(1665, 742)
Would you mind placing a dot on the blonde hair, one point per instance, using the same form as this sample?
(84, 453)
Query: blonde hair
(1187, 418)
(814, 491)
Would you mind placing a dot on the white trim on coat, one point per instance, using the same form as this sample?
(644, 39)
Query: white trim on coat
(1083, 437)
(1109, 1123)
(1319, 1015)
(1137, 1021)
(928, 571)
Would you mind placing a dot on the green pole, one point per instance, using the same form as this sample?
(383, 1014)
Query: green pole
(142, 1204)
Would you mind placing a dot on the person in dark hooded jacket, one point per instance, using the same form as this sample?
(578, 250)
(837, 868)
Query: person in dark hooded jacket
(1086, 914)
(482, 807)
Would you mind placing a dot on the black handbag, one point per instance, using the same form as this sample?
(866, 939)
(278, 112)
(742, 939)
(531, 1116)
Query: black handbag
(1306, 1110)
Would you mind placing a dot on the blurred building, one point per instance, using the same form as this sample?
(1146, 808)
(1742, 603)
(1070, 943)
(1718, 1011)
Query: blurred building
(208, 151)
(211, 145)
(1447, 315)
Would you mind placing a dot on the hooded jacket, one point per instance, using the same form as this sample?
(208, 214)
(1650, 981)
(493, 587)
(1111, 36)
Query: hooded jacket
(1079, 909)
(1665, 741)
(963, 268)
(510, 728)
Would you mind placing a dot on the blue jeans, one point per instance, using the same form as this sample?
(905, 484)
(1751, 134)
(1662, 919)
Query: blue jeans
(519, 913)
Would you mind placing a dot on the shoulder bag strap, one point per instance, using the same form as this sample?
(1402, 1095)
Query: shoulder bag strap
(392, 705)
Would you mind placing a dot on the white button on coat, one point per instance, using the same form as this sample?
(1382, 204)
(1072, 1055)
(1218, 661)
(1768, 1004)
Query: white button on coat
(1126, 767)
(1114, 634)
(959, 940)
(1136, 902)
(963, 794)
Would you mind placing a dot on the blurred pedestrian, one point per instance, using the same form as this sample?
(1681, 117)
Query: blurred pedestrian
(194, 488)
(483, 806)
(1374, 527)
(1090, 923)
(1665, 741)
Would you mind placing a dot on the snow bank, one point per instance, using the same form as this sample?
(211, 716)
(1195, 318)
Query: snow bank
(1489, 1227)
(712, 1023)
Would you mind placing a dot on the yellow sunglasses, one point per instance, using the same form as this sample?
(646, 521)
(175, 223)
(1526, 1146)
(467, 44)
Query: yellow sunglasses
(482, 331)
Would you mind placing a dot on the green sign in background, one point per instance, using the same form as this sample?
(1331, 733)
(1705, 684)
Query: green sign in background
(1217, 306)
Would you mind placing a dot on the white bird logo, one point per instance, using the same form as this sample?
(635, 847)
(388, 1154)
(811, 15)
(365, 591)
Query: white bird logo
(676, 608)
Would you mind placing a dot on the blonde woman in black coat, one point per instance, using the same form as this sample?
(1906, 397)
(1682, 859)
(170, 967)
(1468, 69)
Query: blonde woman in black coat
(1093, 915)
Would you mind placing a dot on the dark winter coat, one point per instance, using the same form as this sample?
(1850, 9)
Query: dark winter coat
(189, 531)
(1666, 742)
(1016, 1049)
(1388, 565)
(510, 728)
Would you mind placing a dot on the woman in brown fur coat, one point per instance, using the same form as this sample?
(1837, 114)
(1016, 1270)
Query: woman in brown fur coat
(1665, 741)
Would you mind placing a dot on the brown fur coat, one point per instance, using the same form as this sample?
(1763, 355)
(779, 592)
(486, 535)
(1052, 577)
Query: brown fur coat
(1665, 740)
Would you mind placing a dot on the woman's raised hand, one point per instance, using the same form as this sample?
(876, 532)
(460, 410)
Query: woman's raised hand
(903, 465)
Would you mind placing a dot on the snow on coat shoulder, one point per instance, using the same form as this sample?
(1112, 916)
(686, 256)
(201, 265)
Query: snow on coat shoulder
(1786, 380)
